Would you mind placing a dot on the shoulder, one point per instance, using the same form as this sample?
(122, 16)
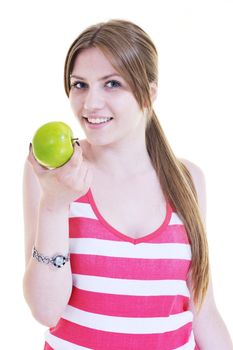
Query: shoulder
(196, 172)
(199, 182)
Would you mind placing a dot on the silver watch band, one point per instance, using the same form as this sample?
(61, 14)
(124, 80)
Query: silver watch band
(57, 260)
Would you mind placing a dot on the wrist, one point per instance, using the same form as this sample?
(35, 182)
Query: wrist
(57, 260)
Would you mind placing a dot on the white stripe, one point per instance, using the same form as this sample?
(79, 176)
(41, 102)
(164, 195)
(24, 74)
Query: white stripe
(60, 344)
(188, 346)
(134, 325)
(175, 220)
(104, 247)
(83, 210)
(120, 286)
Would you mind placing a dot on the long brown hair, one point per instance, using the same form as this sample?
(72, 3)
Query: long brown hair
(133, 54)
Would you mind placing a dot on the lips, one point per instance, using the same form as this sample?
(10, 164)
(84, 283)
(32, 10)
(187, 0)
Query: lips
(96, 125)
(96, 117)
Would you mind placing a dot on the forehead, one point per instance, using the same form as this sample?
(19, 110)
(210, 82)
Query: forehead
(92, 60)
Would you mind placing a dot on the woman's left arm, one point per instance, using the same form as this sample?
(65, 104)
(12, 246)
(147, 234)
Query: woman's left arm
(209, 328)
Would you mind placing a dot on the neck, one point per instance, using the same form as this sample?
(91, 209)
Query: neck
(120, 160)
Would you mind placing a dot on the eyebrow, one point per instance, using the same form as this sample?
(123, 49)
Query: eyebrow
(103, 78)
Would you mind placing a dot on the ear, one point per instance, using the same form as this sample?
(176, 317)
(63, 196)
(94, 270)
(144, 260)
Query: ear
(153, 91)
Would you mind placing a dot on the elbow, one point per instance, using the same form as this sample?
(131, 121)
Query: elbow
(44, 318)
(43, 314)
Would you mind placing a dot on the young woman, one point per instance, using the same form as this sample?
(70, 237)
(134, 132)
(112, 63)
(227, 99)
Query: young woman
(120, 255)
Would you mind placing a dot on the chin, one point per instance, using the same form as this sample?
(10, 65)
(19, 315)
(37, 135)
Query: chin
(95, 142)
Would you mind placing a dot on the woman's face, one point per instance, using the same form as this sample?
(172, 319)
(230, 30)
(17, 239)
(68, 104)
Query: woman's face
(98, 91)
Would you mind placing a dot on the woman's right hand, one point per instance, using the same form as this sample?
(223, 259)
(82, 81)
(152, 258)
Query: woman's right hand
(63, 185)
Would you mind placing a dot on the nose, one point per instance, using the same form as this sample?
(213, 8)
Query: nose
(93, 100)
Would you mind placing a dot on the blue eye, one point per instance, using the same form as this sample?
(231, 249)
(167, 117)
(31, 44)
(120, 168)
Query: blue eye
(114, 83)
(78, 85)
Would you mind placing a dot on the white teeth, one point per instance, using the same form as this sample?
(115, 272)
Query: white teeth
(98, 120)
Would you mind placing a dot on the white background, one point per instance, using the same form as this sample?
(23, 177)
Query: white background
(194, 106)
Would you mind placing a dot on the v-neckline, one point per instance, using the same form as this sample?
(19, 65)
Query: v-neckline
(123, 236)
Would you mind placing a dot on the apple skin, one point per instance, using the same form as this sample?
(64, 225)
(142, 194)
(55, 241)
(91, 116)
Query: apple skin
(52, 144)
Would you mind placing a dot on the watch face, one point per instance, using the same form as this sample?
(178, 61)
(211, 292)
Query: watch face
(59, 261)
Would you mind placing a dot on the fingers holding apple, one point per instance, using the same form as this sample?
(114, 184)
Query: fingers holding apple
(58, 163)
(76, 174)
(76, 156)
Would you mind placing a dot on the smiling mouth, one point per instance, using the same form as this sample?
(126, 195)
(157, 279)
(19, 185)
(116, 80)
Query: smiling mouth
(98, 120)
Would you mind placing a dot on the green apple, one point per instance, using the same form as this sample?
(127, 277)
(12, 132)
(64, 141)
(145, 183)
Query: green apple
(52, 144)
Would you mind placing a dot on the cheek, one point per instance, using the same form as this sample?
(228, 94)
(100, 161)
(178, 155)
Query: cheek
(75, 103)
(127, 101)
(120, 103)
(129, 106)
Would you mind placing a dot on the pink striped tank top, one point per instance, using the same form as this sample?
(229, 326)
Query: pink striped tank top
(128, 294)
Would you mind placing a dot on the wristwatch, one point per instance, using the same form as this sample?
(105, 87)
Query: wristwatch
(57, 260)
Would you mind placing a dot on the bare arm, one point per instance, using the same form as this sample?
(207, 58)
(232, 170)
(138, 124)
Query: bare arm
(46, 209)
(209, 328)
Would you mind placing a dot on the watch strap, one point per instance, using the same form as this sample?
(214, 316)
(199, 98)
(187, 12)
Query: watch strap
(58, 260)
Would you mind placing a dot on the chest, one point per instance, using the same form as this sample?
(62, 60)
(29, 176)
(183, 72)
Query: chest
(135, 208)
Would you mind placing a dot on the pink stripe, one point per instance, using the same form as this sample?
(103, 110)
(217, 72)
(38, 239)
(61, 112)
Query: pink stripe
(83, 199)
(99, 340)
(128, 305)
(91, 228)
(145, 269)
(174, 234)
(47, 346)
